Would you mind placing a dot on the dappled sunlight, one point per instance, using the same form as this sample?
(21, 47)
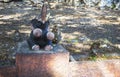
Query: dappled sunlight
(76, 33)
(11, 16)
(117, 45)
(64, 17)
(118, 19)
(111, 16)
(10, 32)
(69, 36)
(27, 8)
(104, 21)
(25, 31)
(92, 16)
(23, 26)
(72, 25)
(109, 20)
(3, 23)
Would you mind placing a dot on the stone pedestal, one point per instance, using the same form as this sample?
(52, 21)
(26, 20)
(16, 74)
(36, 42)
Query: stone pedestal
(8, 71)
(44, 64)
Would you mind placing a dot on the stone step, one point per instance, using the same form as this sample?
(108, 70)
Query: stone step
(105, 68)
(55, 66)
(8, 71)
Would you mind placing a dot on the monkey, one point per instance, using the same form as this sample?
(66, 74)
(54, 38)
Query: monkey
(40, 36)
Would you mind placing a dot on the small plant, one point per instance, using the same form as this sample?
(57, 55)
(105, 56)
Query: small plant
(94, 58)
(57, 33)
(113, 6)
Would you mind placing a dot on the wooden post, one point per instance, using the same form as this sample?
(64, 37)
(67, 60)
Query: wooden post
(45, 64)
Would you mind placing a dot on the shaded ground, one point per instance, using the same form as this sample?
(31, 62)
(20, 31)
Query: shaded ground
(79, 26)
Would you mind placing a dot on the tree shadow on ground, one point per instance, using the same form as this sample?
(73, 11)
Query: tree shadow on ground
(105, 31)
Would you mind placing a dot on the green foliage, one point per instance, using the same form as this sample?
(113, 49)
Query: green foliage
(113, 6)
(93, 58)
(57, 34)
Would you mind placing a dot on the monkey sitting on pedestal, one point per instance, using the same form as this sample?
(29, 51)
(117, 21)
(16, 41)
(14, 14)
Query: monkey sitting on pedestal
(40, 36)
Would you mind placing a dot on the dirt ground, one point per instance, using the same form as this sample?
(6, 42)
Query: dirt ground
(78, 25)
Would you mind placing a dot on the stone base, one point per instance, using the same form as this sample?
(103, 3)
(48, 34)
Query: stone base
(8, 71)
(45, 64)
